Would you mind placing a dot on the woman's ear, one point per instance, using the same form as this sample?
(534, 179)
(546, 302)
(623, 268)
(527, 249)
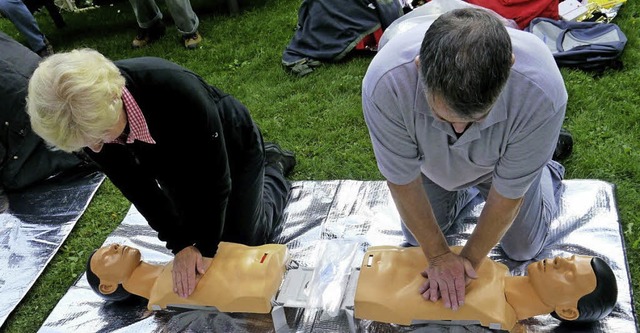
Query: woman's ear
(107, 289)
(567, 312)
(417, 61)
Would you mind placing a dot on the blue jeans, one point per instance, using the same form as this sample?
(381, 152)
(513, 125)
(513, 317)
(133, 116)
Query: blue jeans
(18, 13)
(147, 14)
(527, 235)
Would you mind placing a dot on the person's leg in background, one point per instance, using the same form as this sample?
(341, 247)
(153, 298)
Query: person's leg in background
(150, 25)
(186, 21)
(18, 13)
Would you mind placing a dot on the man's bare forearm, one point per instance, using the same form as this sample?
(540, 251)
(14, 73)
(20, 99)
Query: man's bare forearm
(415, 210)
(447, 272)
(497, 216)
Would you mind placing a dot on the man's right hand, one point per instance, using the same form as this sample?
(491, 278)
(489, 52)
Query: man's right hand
(447, 276)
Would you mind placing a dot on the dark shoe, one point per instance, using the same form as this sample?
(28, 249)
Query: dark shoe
(283, 160)
(192, 41)
(47, 50)
(4, 201)
(564, 146)
(147, 36)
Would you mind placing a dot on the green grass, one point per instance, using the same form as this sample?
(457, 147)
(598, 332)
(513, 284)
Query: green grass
(320, 117)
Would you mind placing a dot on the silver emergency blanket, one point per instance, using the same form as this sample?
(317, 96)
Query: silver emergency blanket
(38, 221)
(329, 211)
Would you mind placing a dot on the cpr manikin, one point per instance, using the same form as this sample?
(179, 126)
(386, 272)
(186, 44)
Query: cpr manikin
(579, 288)
(240, 278)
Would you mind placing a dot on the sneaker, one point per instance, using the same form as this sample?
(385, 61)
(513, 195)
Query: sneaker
(4, 201)
(564, 148)
(283, 160)
(47, 50)
(149, 35)
(192, 41)
(302, 67)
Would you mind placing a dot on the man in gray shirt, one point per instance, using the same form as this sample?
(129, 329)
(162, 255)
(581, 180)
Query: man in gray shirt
(470, 104)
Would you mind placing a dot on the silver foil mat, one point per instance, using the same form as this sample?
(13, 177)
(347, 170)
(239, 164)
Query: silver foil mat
(38, 221)
(346, 209)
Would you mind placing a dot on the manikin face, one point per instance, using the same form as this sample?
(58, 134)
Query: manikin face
(562, 281)
(115, 262)
(112, 134)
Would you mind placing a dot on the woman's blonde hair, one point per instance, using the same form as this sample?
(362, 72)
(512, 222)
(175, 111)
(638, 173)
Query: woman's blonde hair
(75, 98)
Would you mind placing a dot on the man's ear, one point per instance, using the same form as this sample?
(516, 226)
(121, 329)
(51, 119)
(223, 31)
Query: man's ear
(417, 61)
(567, 312)
(106, 288)
(513, 59)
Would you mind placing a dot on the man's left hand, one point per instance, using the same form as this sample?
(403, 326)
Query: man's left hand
(447, 276)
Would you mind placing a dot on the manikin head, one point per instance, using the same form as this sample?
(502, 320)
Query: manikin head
(108, 267)
(580, 288)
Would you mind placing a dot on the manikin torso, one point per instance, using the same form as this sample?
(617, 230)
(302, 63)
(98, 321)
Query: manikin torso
(388, 291)
(239, 279)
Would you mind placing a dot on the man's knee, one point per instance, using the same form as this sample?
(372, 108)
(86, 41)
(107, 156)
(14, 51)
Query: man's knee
(520, 250)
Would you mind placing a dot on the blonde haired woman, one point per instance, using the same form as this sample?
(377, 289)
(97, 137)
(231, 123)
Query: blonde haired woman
(186, 154)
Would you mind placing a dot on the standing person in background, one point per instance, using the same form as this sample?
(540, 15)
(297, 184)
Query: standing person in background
(463, 106)
(151, 27)
(186, 154)
(18, 13)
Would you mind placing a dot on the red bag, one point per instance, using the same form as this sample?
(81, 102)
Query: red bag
(521, 11)
(370, 41)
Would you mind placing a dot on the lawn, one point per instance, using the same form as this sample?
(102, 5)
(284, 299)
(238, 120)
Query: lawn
(319, 116)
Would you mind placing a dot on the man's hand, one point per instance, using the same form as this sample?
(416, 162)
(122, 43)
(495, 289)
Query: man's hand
(186, 264)
(447, 276)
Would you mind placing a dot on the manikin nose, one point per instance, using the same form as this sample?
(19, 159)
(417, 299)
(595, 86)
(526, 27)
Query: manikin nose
(563, 262)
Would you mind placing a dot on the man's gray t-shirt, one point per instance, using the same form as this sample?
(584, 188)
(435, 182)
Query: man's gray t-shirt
(509, 147)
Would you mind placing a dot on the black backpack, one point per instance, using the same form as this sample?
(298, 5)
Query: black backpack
(589, 46)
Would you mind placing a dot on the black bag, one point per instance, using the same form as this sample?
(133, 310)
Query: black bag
(585, 45)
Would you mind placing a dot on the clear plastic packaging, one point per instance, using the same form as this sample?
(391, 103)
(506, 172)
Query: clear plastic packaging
(331, 274)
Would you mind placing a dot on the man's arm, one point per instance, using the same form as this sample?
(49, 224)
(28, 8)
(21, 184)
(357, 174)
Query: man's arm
(447, 272)
(494, 221)
(415, 210)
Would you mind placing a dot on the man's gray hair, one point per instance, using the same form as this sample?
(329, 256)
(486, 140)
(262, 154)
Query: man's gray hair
(465, 59)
